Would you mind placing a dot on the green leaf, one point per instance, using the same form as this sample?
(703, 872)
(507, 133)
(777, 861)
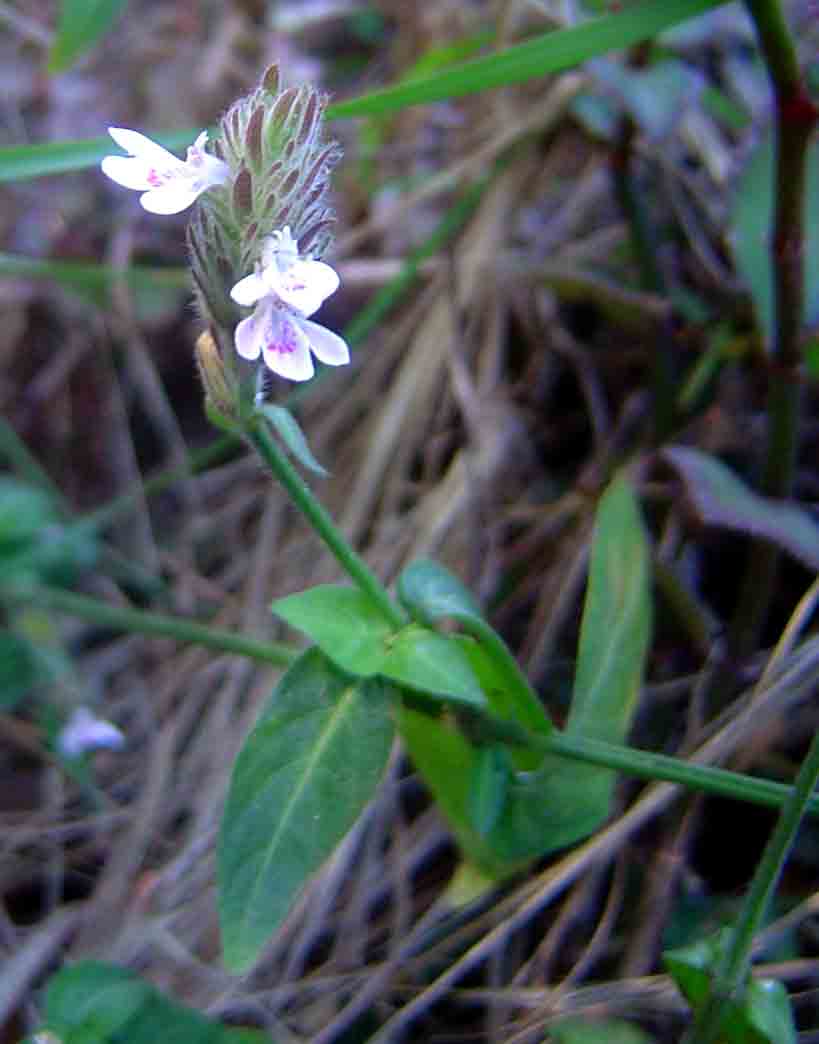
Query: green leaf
(429, 592)
(448, 765)
(24, 511)
(289, 431)
(562, 802)
(341, 621)
(20, 669)
(96, 1003)
(750, 232)
(353, 633)
(616, 628)
(768, 1010)
(583, 1031)
(432, 663)
(721, 498)
(81, 24)
(22, 162)
(308, 768)
(557, 802)
(93, 1002)
(534, 59)
(761, 1014)
(489, 787)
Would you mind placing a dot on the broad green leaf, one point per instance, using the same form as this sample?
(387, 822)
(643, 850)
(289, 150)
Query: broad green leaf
(722, 499)
(562, 802)
(289, 431)
(534, 59)
(489, 788)
(610, 1031)
(95, 1003)
(354, 634)
(94, 282)
(448, 764)
(559, 802)
(769, 1013)
(81, 24)
(21, 162)
(431, 663)
(24, 511)
(501, 684)
(750, 234)
(342, 622)
(431, 593)
(616, 628)
(308, 768)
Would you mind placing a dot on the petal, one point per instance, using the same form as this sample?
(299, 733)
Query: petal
(305, 285)
(287, 351)
(128, 171)
(249, 290)
(249, 336)
(138, 145)
(327, 346)
(84, 732)
(171, 198)
(213, 171)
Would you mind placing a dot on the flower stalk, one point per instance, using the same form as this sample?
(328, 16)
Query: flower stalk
(352, 563)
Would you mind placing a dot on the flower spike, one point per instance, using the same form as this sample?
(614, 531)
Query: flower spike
(168, 184)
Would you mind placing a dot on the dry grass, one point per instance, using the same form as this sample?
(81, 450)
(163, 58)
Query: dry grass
(476, 426)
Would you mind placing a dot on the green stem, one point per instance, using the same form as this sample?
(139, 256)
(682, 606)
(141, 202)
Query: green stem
(795, 116)
(527, 708)
(140, 621)
(643, 243)
(641, 764)
(485, 727)
(352, 563)
(732, 973)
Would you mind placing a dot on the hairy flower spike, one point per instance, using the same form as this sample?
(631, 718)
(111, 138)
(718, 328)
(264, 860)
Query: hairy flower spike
(247, 239)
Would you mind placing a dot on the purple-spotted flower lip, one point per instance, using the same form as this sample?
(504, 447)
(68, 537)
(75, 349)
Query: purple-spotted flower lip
(168, 184)
(284, 291)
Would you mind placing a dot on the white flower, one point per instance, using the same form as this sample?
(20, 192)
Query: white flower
(168, 183)
(84, 732)
(286, 289)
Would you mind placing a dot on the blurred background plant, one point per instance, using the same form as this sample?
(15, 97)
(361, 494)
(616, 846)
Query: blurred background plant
(552, 262)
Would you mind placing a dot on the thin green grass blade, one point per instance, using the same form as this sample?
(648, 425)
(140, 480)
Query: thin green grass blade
(22, 162)
(81, 24)
(93, 281)
(550, 53)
